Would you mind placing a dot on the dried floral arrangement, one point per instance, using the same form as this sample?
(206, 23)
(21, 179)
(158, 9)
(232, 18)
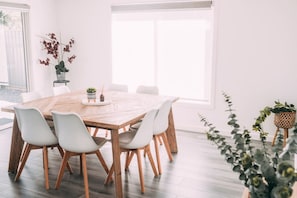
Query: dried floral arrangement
(56, 51)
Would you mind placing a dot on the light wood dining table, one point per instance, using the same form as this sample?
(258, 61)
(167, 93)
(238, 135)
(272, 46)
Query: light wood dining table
(122, 109)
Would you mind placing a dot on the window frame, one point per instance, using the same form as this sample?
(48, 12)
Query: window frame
(209, 103)
(24, 11)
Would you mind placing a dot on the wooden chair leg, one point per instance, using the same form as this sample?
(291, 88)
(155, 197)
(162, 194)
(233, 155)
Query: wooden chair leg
(85, 174)
(23, 162)
(102, 161)
(95, 132)
(157, 155)
(140, 170)
(45, 165)
(61, 151)
(160, 140)
(286, 135)
(24, 151)
(275, 135)
(167, 147)
(129, 158)
(109, 176)
(149, 154)
(61, 171)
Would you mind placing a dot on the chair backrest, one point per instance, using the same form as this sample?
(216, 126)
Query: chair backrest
(161, 121)
(72, 133)
(61, 90)
(29, 96)
(144, 133)
(33, 126)
(118, 87)
(147, 90)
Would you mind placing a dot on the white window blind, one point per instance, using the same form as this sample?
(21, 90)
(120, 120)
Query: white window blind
(15, 6)
(166, 45)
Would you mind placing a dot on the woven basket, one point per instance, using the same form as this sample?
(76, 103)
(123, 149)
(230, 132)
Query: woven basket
(285, 120)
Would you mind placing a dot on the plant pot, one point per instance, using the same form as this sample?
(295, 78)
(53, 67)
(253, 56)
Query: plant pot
(91, 96)
(61, 76)
(285, 120)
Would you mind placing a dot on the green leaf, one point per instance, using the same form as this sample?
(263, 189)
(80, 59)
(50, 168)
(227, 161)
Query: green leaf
(236, 168)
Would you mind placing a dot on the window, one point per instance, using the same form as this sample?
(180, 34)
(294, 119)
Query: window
(170, 48)
(13, 46)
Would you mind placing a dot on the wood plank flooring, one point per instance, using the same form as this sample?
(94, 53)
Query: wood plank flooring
(198, 170)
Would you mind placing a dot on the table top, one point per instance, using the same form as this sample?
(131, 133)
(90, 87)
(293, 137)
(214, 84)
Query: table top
(124, 108)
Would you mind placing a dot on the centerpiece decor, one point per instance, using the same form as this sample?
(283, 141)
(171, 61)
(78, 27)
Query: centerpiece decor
(56, 51)
(101, 95)
(91, 94)
(265, 173)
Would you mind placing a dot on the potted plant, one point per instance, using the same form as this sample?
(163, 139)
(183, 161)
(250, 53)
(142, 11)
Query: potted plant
(285, 115)
(265, 173)
(56, 51)
(91, 93)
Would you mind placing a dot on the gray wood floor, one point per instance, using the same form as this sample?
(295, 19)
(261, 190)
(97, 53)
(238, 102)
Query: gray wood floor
(198, 170)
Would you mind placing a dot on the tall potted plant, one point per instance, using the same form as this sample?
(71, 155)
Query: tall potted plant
(284, 117)
(266, 173)
(56, 50)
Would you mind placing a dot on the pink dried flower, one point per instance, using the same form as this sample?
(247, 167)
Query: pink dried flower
(56, 50)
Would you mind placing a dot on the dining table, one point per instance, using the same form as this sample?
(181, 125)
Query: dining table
(119, 109)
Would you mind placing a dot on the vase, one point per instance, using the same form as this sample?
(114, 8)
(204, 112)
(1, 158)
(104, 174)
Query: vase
(61, 76)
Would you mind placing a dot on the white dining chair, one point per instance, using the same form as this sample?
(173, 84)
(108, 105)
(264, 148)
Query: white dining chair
(154, 90)
(133, 142)
(29, 96)
(118, 87)
(160, 126)
(61, 90)
(144, 89)
(75, 139)
(37, 135)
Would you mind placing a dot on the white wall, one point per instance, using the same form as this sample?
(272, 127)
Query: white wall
(255, 56)
(89, 23)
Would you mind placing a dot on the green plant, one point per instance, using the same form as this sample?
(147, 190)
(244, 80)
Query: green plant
(277, 108)
(91, 90)
(56, 50)
(266, 173)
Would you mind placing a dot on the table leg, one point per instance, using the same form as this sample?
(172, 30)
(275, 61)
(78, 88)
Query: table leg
(16, 147)
(171, 136)
(117, 162)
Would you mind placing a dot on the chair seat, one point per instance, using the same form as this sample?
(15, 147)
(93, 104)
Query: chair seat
(135, 126)
(126, 138)
(99, 141)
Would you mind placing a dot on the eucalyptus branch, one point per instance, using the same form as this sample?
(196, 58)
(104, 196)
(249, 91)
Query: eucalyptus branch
(264, 174)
